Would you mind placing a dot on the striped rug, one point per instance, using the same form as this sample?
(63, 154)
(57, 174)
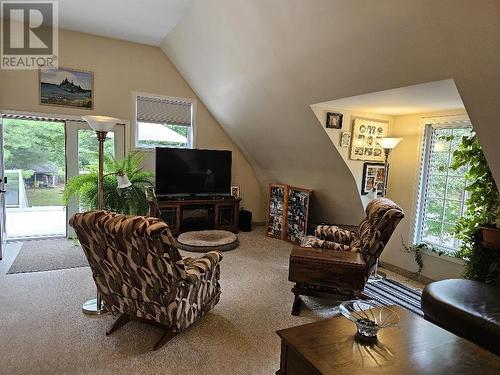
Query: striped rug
(390, 292)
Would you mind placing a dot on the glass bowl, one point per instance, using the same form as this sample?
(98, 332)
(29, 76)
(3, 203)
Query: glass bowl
(369, 317)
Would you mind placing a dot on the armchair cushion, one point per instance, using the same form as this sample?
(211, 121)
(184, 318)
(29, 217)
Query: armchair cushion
(334, 233)
(312, 241)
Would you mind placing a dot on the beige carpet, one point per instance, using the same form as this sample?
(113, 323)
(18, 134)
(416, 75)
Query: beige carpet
(42, 329)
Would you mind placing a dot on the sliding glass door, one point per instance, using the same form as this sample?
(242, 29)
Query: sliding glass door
(38, 158)
(82, 140)
(34, 154)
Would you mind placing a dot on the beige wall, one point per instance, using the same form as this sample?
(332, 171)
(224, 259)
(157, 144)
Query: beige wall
(403, 189)
(259, 65)
(120, 68)
(355, 166)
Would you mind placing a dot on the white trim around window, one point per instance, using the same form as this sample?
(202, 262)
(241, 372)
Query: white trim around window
(192, 128)
(429, 125)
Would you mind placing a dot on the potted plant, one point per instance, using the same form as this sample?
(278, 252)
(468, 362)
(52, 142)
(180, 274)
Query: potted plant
(131, 200)
(478, 228)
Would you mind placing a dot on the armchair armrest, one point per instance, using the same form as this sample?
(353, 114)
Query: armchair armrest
(196, 268)
(334, 233)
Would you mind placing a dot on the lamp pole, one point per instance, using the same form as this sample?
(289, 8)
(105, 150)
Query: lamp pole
(387, 152)
(101, 137)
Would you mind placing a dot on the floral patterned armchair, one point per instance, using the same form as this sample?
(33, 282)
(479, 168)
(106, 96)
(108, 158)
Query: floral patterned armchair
(140, 274)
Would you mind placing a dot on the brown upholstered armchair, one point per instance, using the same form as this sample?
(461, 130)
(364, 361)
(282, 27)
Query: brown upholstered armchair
(141, 275)
(341, 260)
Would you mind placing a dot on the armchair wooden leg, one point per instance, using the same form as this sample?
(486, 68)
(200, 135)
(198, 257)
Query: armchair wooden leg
(296, 304)
(120, 322)
(167, 336)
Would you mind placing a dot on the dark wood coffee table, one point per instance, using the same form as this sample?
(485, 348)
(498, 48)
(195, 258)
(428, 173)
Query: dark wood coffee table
(415, 347)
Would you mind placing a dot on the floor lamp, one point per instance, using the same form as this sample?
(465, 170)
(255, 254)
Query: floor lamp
(101, 125)
(387, 144)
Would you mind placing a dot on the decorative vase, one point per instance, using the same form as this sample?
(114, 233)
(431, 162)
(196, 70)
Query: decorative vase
(369, 317)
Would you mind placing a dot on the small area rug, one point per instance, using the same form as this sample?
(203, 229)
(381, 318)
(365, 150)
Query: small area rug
(203, 241)
(390, 292)
(48, 255)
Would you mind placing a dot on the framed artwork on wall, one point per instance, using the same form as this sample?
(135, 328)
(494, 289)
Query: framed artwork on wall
(364, 142)
(345, 139)
(334, 120)
(373, 177)
(67, 88)
(276, 211)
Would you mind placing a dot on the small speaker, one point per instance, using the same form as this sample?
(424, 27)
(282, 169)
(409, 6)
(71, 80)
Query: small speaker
(245, 223)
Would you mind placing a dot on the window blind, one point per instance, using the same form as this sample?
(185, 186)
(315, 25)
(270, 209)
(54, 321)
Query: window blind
(173, 112)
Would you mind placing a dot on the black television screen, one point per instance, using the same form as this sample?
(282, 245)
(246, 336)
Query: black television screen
(186, 171)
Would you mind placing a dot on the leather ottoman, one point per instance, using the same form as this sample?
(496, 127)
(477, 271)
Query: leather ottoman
(467, 308)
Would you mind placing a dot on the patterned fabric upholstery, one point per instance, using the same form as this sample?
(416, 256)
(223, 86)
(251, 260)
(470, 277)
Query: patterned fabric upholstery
(139, 271)
(382, 217)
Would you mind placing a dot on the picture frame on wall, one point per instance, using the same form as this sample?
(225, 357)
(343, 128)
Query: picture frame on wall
(365, 140)
(334, 120)
(235, 191)
(67, 87)
(374, 175)
(345, 139)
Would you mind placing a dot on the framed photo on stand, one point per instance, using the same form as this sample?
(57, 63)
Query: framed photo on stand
(235, 191)
(275, 226)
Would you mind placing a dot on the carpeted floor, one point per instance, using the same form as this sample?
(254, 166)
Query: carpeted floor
(42, 329)
(48, 255)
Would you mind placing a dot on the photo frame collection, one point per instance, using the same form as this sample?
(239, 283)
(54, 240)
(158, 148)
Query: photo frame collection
(374, 176)
(365, 140)
(288, 212)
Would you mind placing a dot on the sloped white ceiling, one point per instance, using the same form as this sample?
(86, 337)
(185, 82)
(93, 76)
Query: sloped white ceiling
(258, 65)
(422, 98)
(137, 21)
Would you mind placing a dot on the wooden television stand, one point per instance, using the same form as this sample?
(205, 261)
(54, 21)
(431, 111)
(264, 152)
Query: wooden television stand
(187, 214)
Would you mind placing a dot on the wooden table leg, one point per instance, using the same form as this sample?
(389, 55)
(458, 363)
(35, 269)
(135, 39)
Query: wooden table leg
(296, 304)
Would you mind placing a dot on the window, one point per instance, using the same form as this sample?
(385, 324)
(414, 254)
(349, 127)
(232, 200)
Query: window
(163, 122)
(442, 193)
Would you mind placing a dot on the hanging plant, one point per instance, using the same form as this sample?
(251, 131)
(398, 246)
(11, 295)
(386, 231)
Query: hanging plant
(482, 210)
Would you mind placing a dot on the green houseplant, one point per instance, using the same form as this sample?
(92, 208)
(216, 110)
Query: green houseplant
(481, 214)
(417, 250)
(131, 200)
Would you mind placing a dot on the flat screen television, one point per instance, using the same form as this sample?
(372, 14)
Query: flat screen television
(192, 172)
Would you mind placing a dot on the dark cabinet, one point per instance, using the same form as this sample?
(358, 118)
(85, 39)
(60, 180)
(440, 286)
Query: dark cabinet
(196, 214)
